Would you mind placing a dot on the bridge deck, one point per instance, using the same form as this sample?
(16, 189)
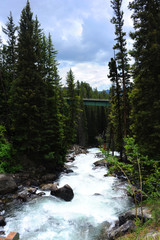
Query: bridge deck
(96, 102)
(93, 102)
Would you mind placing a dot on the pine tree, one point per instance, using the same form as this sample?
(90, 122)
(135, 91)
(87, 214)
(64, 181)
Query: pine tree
(82, 136)
(8, 68)
(26, 98)
(146, 72)
(73, 108)
(54, 146)
(3, 95)
(122, 60)
(116, 108)
(11, 55)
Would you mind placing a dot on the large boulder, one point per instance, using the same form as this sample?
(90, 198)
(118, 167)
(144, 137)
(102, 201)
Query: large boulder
(65, 193)
(131, 215)
(7, 184)
(101, 163)
(129, 226)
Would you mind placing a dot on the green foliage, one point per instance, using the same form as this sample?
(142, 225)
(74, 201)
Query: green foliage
(5, 146)
(115, 115)
(73, 108)
(145, 99)
(7, 162)
(31, 101)
(154, 204)
(119, 92)
(132, 170)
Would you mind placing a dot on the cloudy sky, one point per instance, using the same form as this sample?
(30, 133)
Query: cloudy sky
(81, 32)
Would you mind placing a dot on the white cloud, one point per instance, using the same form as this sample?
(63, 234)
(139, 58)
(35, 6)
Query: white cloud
(101, 9)
(72, 29)
(68, 29)
(92, 73)
(2, 35)
(128, 22)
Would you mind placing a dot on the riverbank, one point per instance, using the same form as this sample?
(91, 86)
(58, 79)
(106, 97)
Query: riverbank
(130, 225)
(21, 187)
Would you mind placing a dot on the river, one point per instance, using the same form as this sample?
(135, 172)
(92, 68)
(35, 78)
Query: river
(97, 199)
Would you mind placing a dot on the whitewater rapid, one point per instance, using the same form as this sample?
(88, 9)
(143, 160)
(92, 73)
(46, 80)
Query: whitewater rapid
(97, 199)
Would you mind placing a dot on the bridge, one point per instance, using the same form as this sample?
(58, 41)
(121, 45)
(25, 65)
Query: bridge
(93, 102)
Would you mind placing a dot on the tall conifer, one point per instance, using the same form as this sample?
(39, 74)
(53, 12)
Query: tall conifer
(116, 107)
(8, 68)
(73, 109)
(146, 72)
(122, 60)
(26, 94)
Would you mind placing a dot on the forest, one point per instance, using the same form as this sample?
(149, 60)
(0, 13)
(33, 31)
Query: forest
(37, 123)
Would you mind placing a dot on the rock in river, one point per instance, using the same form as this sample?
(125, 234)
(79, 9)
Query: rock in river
(65, 193)
(2, 221)
(101, 163)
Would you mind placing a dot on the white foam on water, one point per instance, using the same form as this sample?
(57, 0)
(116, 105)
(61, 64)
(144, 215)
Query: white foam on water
(94, 202)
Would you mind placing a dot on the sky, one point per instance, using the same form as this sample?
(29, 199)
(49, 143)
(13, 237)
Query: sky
(81, 33)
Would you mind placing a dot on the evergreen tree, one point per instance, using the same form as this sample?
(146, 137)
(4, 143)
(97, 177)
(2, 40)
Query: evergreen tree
(116, 108)
(26, 99)
(146, 72)
(11, 55)
(8, 68)
(73, 108)
(3, 95)
(82, 136)
(122, 60)
(54, 126)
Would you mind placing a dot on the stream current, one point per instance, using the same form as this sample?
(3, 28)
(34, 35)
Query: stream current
(97, 199)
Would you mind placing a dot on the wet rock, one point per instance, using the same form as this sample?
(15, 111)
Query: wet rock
(76, 149)
(65, 193)
(100, 155)
(70, 159)
(67, 169)
(24, 195)
(2, 221)
(97, 194)
(129, 226)
(40, 194)
(32, 190)
(2, 233)
(131, 215)
(49, 186)
(101, 163)
(7, 184)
